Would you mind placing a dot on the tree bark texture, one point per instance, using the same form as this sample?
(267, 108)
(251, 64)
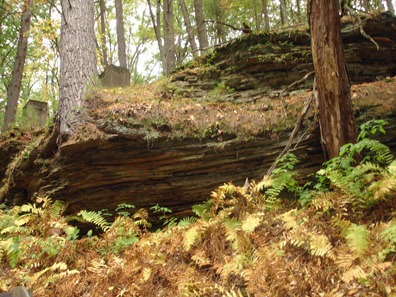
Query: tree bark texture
(336, 119)
(187, 23)
(77, 63)
(283, 13)
(200, 20)
(366, 5)
(256, 18)
(390, 6)
(121, 34)
(265, 13)
(103, 32)
(169, 36)
(16, 80)
(156, 21)
(298, 6)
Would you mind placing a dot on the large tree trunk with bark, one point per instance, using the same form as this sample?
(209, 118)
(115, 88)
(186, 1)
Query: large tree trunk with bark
(77, 63)
(17, 72)
(283, 13)
(187, 23)
(120, 34)
(200, 20)
(265, 13)
(336, 119)
(169, 37)
(103, 32)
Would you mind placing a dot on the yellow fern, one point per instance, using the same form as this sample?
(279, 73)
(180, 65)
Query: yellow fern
(320, 246)
(250, 223)
(355, 272)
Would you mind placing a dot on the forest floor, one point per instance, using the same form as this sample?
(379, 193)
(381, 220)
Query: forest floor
(337, 238)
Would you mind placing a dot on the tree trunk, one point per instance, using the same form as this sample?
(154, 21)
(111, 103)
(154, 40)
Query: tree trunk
(77, 63)
(103, 32)
(169, 37)
(336, 119)
(283, 13)
(17, 72)
(121, 34)
(366, 5)
(265, 13)
(157, 30)
(187, 23)
(390, 6)
(299, 19)
(200, 20)
(256, 16)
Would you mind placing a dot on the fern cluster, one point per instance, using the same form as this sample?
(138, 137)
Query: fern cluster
(337, 238)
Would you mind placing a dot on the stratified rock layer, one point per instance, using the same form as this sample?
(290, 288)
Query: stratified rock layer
(259, 67)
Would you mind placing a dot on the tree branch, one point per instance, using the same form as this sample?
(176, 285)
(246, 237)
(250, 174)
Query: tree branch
(295, 130)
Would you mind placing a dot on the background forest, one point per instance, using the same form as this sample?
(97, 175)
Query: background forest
(135, 34)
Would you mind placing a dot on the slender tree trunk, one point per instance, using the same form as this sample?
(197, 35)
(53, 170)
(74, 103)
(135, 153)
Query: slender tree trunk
(336, 119)
(156, 21)
(283, 13)
(256, 16)
(381, 6)
(121, 34)
(366, 5)
(17, 72)
(169, 37)
(77, 63)
(299, 18)
(187, 23)
(265, 13)
(200, 20)
(390, 6)
(103, 32)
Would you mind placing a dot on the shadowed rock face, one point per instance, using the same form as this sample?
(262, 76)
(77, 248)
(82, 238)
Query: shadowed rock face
(98, 174)
(116, 164)
(104, 173)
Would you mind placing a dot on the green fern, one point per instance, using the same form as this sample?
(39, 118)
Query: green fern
(358, 239)
(388, 236)
(95, 218)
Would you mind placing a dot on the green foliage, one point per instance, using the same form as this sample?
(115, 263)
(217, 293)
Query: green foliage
(95, 218)
(282, 178)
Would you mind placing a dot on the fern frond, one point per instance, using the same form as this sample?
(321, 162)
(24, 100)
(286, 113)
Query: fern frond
(45, 200)
(231, 228)
(32, 208)
(187, 221)
(320, 246)
(345, 259)
(58, 208)
(98, 266)
(250, 223)
(356, 272)
(289, 219)
(190, 236)
(95, 218)
(342, 223)
(146, 274)
(383, 187)
(233, 265)
(200, 258)
(358, 238)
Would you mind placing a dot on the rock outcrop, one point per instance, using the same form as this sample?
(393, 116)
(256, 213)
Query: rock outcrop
(258, 67)
(118, 158)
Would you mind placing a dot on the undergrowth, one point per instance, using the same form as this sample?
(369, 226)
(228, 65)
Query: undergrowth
(333, 236)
